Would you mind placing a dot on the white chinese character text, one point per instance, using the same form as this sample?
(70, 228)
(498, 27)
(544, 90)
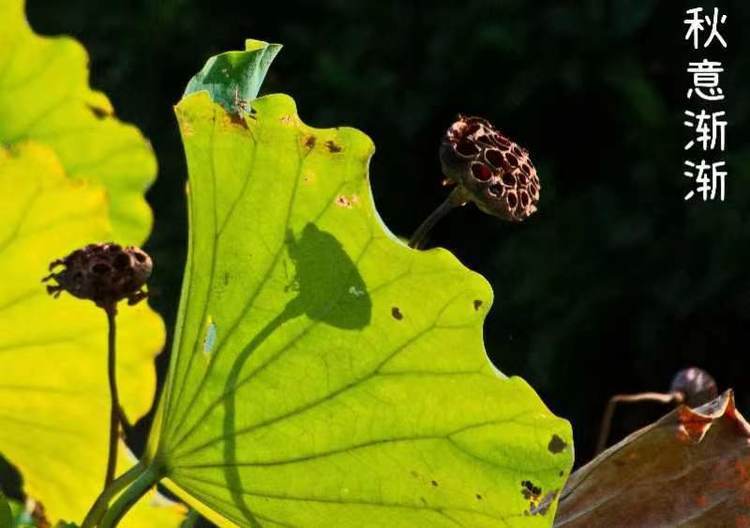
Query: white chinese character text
(706, 80)
(709, 177)
(710, 129)
(696, 24)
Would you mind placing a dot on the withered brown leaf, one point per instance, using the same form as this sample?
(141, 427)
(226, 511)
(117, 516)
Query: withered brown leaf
(690, 468)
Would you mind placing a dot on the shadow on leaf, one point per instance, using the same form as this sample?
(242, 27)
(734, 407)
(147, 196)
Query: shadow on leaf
(329, 290)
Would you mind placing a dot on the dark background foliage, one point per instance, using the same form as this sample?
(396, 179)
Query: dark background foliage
(615, 284)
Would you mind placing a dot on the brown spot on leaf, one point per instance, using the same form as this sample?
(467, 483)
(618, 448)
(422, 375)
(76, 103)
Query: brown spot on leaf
(529, 490)
(479, 496)
(556, 444)
(434, 483)
(332, 147)
(238, 119)
(98, 111)
(310, 141)
(477, 304)
(396, 313)
(186, 128)
(347, 201)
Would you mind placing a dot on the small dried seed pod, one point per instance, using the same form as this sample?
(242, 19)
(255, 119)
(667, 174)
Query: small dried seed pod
(496, 173)
(696, 384)
(104, 273)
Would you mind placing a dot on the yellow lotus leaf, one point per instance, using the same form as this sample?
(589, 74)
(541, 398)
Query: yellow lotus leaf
(70, 174)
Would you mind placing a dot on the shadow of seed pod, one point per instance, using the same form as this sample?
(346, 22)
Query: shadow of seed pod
(696, 384)
(104, 273)
(496, 173)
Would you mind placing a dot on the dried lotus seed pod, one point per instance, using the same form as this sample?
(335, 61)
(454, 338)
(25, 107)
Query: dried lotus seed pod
(494, 172)
(697, 385)
(104, 273)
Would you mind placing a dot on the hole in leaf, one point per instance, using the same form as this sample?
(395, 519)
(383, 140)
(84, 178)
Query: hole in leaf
(556, 444)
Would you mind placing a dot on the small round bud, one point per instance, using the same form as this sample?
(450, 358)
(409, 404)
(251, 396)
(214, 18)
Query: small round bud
(696, 384)
(495, 173)
(104, 273)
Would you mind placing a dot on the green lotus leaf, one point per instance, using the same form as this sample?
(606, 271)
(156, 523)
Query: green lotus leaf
(323, 373)
(6, 517)
(234, 78)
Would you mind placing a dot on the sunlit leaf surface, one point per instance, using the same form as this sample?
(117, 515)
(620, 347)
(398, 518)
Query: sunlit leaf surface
(54, 401)
(323, 373)
(70, 174)
(45, 97)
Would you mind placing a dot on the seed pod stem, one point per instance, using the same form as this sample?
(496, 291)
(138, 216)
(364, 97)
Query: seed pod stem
(105, 273)
(455, 199)
(114, 415)
(691, 386)
(659, 397)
